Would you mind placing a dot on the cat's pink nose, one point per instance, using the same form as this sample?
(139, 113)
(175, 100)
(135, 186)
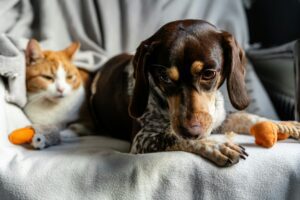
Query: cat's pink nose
(60, 90)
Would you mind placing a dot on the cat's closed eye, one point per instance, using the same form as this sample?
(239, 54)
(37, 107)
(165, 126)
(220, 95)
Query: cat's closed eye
(71, 77)
(47, 77)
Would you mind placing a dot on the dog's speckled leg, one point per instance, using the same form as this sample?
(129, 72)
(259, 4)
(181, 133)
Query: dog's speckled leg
(222, 154)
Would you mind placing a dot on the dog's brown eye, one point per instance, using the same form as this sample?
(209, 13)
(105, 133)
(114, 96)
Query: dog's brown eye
(47, 77)
(160, 72)
(208, 74)
(165, 78)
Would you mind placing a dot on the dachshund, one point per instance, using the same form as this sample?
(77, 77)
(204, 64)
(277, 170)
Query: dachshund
(166, 96)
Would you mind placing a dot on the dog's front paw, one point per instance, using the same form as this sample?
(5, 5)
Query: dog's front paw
(39, 141)
(232, 152)
(223, 154)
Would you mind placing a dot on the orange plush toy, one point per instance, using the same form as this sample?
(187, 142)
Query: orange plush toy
(22, 135)
(38, 136)
(267, 133)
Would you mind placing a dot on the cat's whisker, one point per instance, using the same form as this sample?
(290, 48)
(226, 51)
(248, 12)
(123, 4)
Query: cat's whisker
(36, 97)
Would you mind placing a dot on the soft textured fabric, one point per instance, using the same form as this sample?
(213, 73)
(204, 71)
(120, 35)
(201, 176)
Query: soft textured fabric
(12, 68)
(98, 167)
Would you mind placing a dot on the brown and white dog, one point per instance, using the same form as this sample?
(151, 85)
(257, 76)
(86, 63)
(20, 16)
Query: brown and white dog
(166, 97)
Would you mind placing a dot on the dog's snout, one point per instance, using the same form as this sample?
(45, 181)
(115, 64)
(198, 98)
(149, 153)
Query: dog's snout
(195, 129)
(196, 124)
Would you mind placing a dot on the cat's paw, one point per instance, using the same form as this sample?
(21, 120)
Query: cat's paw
(39, 142)
(80, 129)
(68, 133)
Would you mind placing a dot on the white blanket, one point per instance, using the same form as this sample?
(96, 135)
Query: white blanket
(98, 167)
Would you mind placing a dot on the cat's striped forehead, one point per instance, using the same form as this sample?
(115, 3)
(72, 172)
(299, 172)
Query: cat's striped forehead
(57, 66)
(58, 59)
(50, 63)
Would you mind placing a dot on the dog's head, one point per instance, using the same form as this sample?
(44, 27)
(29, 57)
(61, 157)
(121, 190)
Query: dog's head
(188, 61)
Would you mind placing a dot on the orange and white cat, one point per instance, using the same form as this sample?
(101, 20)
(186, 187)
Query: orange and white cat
(57, 95)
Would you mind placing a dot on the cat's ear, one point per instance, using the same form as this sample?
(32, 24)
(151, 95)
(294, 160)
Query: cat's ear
(33, 51)
(72, 49)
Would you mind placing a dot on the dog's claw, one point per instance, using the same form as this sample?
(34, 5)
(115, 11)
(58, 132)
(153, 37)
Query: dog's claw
(242, 147)
(229, 161)
(245, 153)
(225, 154)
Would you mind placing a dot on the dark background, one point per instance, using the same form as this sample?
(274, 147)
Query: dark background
(274, 22)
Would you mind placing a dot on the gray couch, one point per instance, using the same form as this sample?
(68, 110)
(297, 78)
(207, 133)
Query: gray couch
(97, 167)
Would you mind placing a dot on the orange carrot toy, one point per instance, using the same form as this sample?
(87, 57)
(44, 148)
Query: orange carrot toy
(22, 135)
(38, 136)
(267, 133)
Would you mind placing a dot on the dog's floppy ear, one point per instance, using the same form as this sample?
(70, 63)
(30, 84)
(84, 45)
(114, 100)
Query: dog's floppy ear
(140, 95)
(234, 70)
